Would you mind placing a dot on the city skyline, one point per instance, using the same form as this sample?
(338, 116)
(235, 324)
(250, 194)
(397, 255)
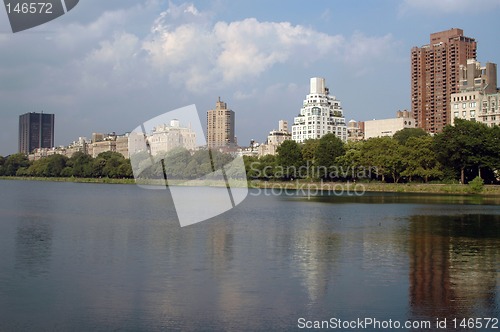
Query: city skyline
(115, 64)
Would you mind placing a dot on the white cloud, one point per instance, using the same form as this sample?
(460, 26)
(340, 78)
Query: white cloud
(231, 52)
(448, 6)
(194, 53)
(250, 47)
(201, 54)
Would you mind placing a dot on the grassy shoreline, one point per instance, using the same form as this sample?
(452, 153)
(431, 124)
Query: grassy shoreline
(75, 180)
(458, 189)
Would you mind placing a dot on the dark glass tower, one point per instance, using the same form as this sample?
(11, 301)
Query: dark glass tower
(36, 130)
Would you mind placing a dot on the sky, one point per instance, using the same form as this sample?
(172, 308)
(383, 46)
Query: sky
(108, 66)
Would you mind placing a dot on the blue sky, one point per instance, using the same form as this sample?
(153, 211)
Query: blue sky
(110, 65)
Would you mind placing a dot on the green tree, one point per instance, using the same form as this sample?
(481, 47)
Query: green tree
(491, 157)
(267, 166)
(81, 165)
(420, 160)
(385, 156)
(203, 164)
(55, 164)
(50, 166)
(351, 161)
(220, 159)
(260, 168)
(251, 166)
(97, 167)
(176, 161)
(125, 169)
(142, 165)
(309, 150)
(464, 146)
(106, 164)
(476, 185)
(404, 134)
(2, 162)
(289, 158)
(330, 147)
(14, 162)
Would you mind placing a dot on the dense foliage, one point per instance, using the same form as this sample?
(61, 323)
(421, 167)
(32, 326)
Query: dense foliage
(180, 164)
(106, 164)
(459, 153)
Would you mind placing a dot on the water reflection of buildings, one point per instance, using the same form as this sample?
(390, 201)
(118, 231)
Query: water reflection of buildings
(453, 266)
(313, 250)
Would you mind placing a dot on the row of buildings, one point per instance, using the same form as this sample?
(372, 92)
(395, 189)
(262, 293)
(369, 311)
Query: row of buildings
(447, 82)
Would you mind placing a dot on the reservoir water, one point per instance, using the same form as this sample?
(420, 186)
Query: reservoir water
(85, 257)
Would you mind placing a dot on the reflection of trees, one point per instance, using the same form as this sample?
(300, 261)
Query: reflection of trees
(452, 265)
(33, 247)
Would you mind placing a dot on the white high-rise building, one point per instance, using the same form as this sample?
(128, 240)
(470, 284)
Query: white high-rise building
(321, 114)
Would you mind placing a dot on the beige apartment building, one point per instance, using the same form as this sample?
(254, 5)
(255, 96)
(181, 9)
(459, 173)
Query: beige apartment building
(435, 70)
(355, 130)
(478, 96)
(275, 138)
(220, 126)
(388, 127)
(166, 137)
(110, 142)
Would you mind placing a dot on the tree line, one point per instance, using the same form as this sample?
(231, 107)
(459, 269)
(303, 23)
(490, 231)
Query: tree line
(460, 153)
(107, 164)
(179, 163)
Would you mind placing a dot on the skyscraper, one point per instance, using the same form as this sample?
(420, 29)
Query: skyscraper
(36, 130)
(435, 75)
(321, 113)
(220, 126)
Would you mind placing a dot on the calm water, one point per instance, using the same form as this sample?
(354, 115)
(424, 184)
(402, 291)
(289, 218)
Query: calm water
(113, 257)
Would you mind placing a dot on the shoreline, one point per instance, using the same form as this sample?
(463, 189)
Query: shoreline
(430, 188)
(427, 188)
(74, 180)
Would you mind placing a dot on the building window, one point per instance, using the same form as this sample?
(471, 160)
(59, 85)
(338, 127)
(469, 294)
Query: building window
(464, 114)
(455, 106)
(456, 114)
(472, 114)
(464, 105)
